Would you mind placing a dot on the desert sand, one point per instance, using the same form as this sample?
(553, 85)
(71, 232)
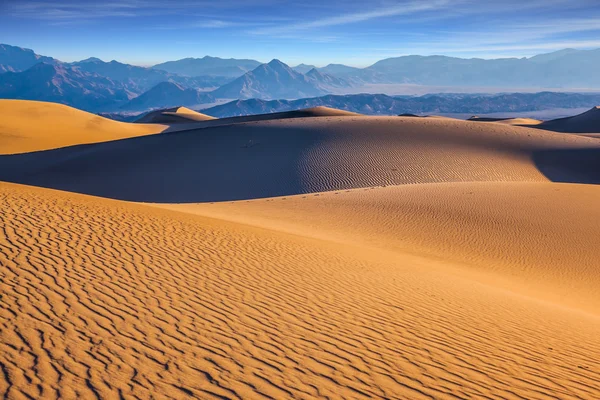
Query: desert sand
(27, 126)
(365, 257)
(176, 115)
(303, 155)
(508, 121)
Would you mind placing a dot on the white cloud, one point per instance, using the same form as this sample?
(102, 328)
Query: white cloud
(389, 11)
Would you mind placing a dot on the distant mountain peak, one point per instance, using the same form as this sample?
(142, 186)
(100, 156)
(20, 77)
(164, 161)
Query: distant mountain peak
(90, 60)
(272, 80)
(16, 59)
(277, 63)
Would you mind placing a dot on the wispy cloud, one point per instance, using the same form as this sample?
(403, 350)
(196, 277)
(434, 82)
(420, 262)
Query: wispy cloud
(65, 10)
(344, 19)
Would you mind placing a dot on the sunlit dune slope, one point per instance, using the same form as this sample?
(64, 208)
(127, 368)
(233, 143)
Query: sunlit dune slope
(107, 299)
(27, 126)
(508, 121)
(174, 115)
(538, 239)
(588, 122)
(293, 156)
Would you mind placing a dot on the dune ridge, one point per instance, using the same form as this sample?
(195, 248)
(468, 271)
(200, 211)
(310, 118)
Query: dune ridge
(27, 126)
(508, 121)
(175, 115)
(587, 122)
(313, 112)
(303, 155)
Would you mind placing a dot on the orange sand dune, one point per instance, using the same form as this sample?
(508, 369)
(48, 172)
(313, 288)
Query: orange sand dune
(107, 299)
(508, 121)
(176, 115)
(293, 156)
(539, 239)
(419, 258)
(34, 125)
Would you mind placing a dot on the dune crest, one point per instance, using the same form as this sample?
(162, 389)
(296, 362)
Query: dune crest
(27, 126)
(508, 121)
(175, 115)
(587, 122)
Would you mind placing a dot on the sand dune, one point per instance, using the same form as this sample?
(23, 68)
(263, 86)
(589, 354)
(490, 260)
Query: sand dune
(472, 223)
(304, 113)
(293, 156)
(448, 262)
(210, 122)
(508, 121)
(588, 122)
(34, 125)
(106, 299)
(176, 115)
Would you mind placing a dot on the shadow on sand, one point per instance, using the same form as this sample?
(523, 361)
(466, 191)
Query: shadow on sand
(219, 164)
(569, 165)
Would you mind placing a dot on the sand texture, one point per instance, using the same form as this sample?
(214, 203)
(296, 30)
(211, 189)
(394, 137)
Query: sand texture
(313, 257)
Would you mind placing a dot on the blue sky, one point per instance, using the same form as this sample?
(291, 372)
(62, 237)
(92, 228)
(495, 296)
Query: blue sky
(317, 32)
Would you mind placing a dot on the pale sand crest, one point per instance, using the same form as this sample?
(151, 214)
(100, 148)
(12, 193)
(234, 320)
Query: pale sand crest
(27, 126)
(508, 121)
(175, 115)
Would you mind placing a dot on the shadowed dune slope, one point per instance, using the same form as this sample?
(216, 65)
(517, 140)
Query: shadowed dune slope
(588, 122)
(293, 156)
(211, 122)
(27, 126)
(304, 113)
(176, 115)
(107, 299)
(538, 238)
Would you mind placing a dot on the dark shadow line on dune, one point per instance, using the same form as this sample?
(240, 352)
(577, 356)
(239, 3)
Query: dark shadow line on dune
(569, 165)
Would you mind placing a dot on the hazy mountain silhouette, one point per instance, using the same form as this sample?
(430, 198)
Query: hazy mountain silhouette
(168, 94)
(270, 81)
(140, 79)
(354, 75)
(17, 59)
(93, 84)
(303, 68)
(208, 66)
(379, 104)
(565, 68)
(62, 84)
(326, 81)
